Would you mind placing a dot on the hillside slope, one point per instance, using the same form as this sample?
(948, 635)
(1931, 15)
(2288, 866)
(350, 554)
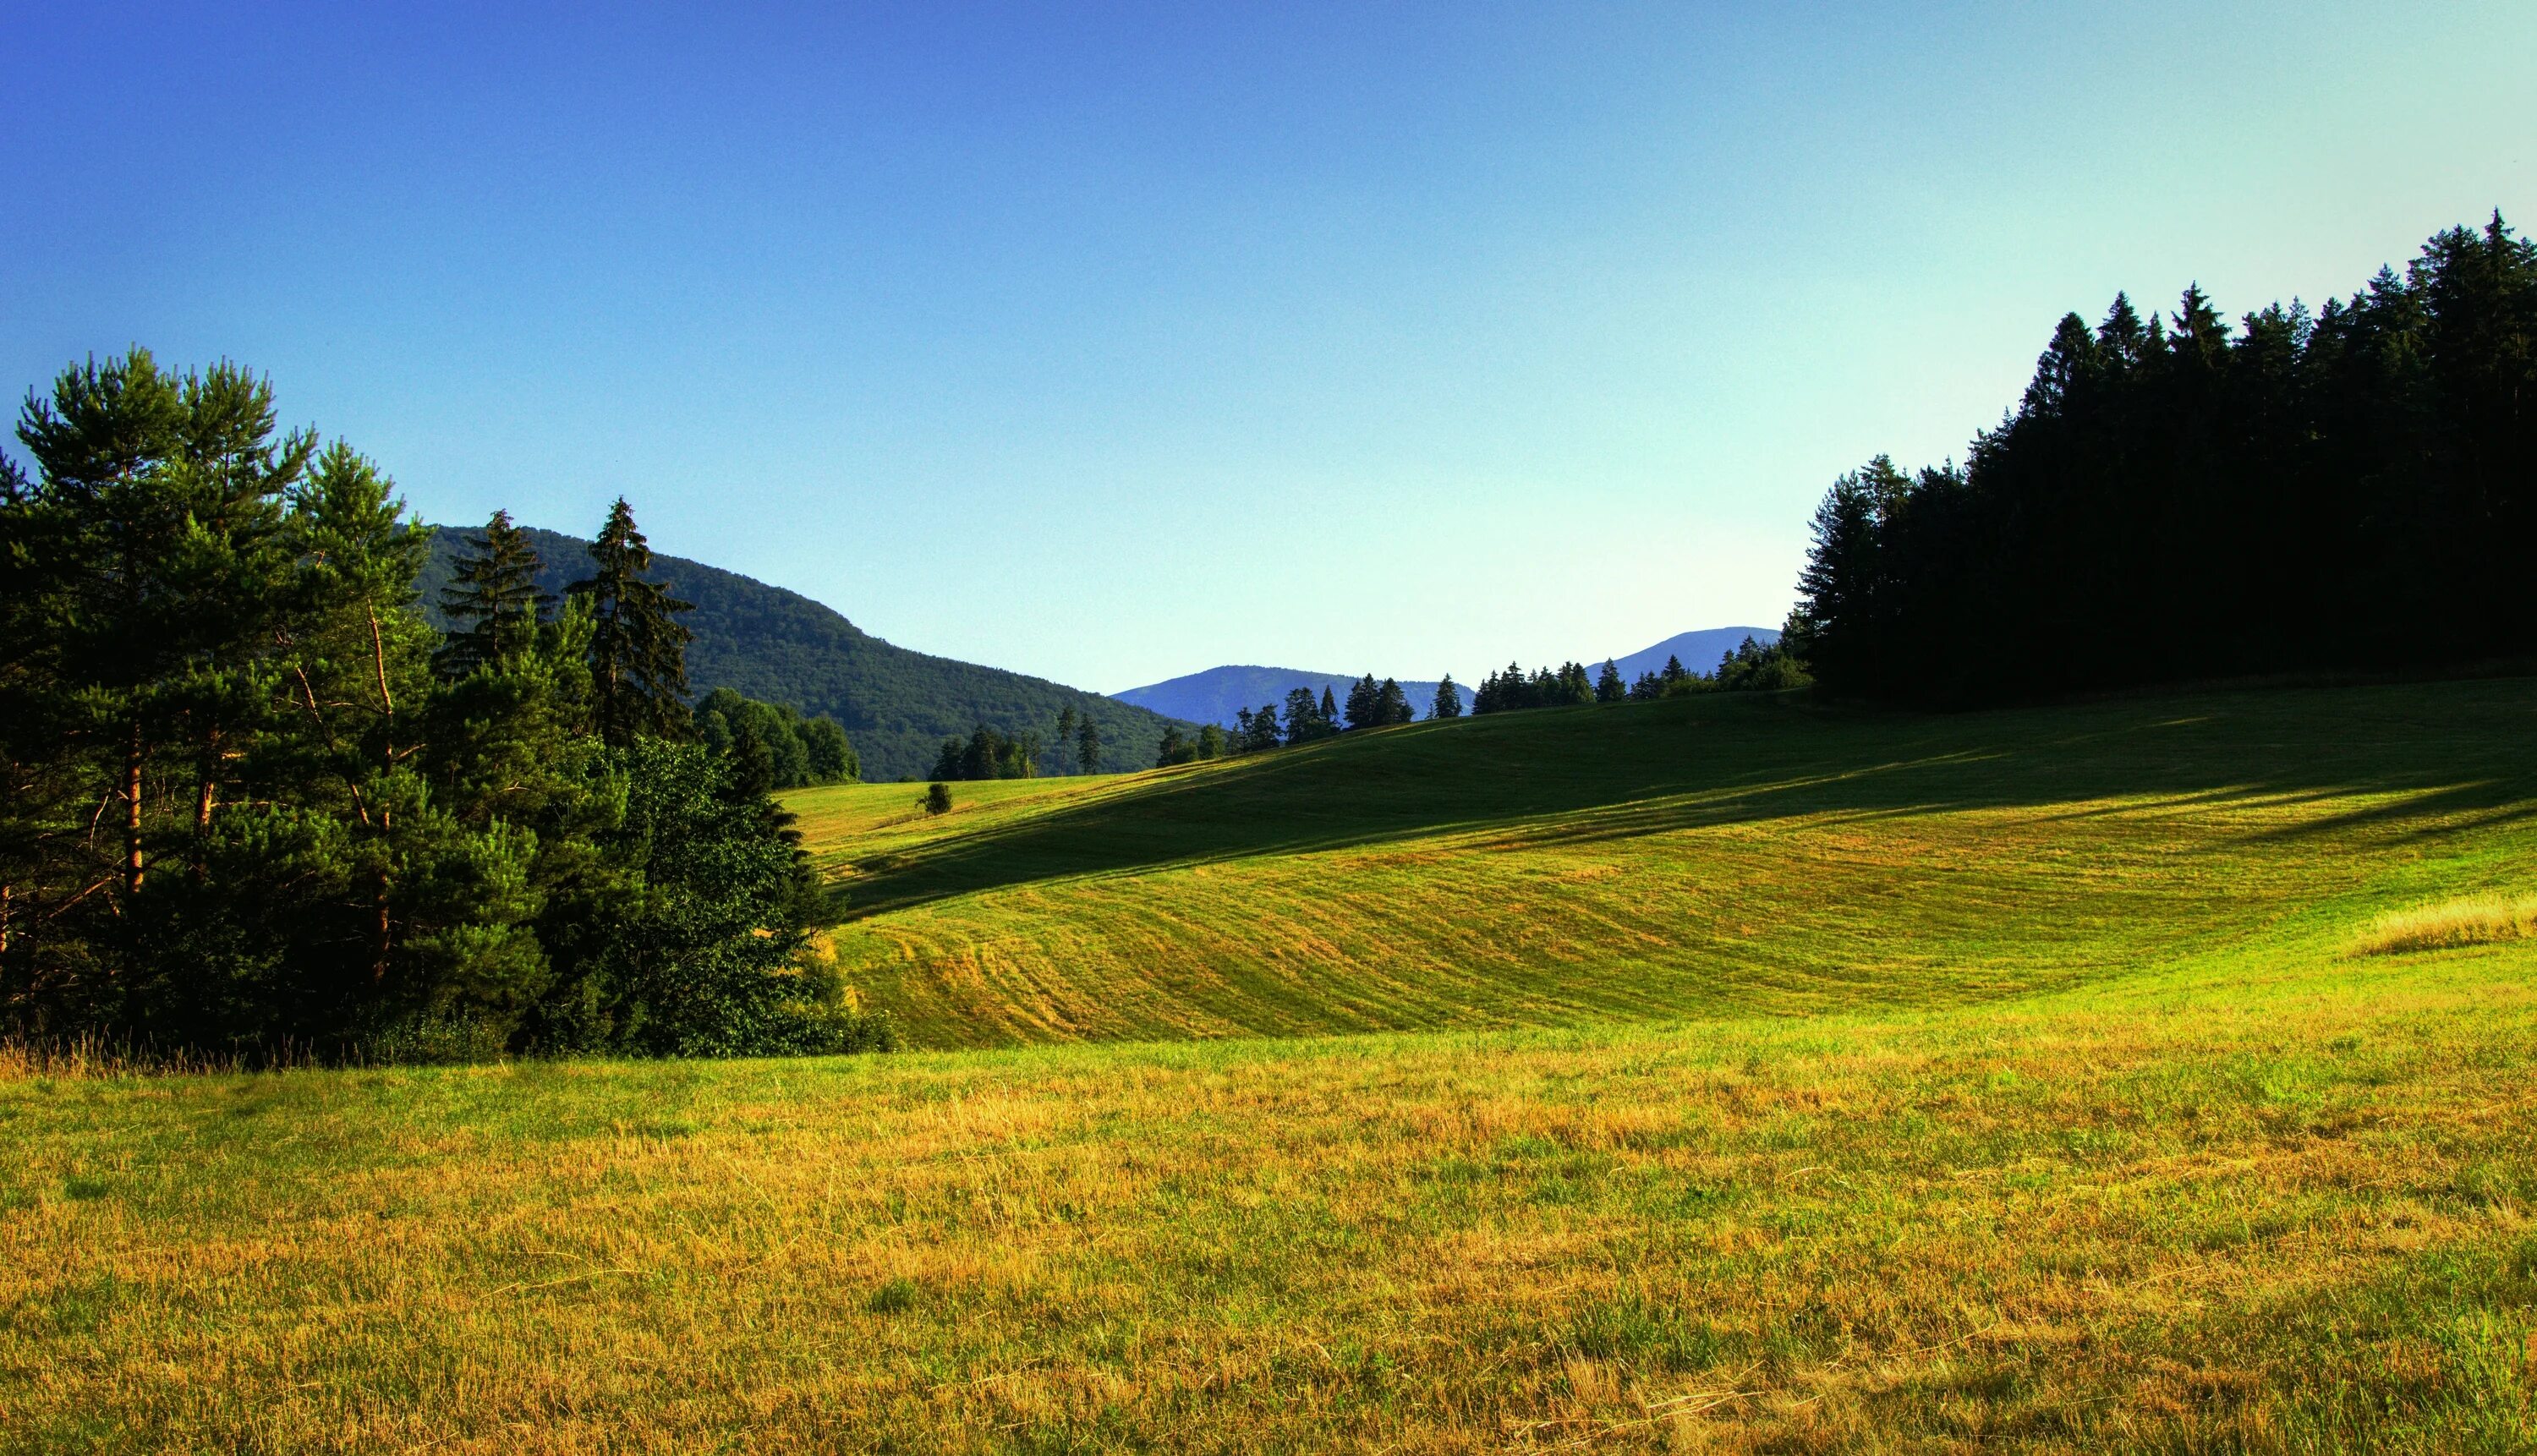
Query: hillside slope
(780, 645)
(1715, 855)
(1216, 694)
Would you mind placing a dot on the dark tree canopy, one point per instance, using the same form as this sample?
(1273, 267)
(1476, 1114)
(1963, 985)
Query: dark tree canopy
(2177, 497)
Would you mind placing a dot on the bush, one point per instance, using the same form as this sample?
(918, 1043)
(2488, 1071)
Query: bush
(938, 799)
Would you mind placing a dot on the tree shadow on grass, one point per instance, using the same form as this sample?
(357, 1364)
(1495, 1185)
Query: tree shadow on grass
(2421, 755)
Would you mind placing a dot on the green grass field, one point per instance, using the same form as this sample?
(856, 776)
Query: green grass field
(1710, 857)
(1710, 1075)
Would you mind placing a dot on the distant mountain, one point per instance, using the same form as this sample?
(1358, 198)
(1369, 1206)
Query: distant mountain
(1699, 651)
(782, 647)
(1216, 694)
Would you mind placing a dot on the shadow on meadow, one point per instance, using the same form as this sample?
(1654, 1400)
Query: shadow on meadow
(2411, 759)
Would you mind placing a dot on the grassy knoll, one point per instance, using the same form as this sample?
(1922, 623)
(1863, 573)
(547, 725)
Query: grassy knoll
(1711, 856)
(2181, 1213)
(2116, 1119)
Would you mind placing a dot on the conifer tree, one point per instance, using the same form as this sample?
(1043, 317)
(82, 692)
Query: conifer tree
(1088, 745)
(494, 601)
(639, 649)
(1609, 687)
(1449, 699)
(1304, 722)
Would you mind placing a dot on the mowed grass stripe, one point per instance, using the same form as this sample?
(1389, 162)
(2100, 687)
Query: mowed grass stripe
(1696, 857)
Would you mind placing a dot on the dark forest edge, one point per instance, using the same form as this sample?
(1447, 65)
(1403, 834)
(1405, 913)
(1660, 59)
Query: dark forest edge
(2174, 500)
(258, 806)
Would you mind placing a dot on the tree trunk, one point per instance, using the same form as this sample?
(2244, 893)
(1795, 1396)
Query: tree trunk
(132, 813)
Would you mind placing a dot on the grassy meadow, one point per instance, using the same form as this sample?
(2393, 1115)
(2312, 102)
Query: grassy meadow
(1724, 856)
(1705, 1075)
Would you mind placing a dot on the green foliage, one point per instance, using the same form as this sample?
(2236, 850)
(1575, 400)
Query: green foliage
(1564, 686)
(938, 799)
(493, 603)
(793, 752)
(780, 646)
(989, 754)
(1753, 667)
(1449, 699)
(1088, 745)
(1609, 687)
(255, 802)
(638, 650)
(1372, 704)
(2175, 497)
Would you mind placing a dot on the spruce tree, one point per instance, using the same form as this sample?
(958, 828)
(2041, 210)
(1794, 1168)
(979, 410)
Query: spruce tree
(494, 601)
(1088, 745)
(1449, 699)
(639, 649)
(1609, 687)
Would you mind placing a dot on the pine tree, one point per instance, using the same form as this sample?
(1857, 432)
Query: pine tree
(1066, 727)
(1329, 712)
(494, 601)
(1449, 699)
(1609, 687)
(1304, 720)
(639, 649)
(1088, 745)
(1391, 705)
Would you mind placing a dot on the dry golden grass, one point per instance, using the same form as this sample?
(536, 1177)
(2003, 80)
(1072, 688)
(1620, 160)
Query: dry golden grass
(2482, 920)
(2179, 1215)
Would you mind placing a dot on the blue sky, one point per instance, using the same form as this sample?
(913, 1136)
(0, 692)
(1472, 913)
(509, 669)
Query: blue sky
(1111, 342)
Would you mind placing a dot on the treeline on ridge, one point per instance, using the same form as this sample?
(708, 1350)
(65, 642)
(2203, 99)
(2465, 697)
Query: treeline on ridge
(2177, 498)
(255, 802)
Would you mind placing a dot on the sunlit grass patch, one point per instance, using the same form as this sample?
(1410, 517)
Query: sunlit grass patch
(2481, 921)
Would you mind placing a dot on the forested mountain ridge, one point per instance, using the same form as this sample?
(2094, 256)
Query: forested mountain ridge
(781, 647)
(1216, 694)
(1699, 651)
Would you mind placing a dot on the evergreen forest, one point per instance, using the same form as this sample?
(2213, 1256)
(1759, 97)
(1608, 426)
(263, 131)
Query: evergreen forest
(2180, 498)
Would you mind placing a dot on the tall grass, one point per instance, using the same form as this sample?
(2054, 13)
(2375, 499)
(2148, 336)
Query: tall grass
(2482, 920)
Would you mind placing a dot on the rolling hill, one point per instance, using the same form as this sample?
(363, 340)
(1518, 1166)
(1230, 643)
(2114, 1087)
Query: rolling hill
(1788, 1079)
(1713, 856)
(782, 647)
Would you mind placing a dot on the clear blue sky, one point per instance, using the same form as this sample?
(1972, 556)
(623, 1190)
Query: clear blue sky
(1110, 344)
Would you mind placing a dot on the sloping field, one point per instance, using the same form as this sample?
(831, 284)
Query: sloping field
(2135, 1124)
(1709, 857)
